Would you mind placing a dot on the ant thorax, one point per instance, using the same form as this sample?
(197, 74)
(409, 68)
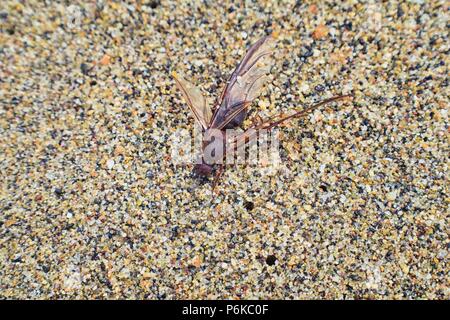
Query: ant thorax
(213, 146)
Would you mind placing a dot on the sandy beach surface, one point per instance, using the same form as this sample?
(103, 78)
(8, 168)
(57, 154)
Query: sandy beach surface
(92, 204)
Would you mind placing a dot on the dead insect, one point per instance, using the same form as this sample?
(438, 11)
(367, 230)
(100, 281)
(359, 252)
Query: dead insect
(242, 88)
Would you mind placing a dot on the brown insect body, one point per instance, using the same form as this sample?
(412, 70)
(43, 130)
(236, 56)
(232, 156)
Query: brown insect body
(215, 143)
(242, 88)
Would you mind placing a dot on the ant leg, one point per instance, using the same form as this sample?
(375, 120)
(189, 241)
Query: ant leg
(253, 121)
(218, 175)
(256, 120)
(305, 111)
(260, 120)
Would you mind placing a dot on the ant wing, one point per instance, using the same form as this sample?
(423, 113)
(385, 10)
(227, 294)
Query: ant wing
(245, 83)
(195, 100)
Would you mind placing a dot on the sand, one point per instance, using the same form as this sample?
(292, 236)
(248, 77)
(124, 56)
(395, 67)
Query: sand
(92, 204)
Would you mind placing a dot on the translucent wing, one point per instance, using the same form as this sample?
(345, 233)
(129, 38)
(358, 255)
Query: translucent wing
(245, 83)
(195, 99)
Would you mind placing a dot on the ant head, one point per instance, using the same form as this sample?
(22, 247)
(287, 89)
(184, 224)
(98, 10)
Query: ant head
(203, 169)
